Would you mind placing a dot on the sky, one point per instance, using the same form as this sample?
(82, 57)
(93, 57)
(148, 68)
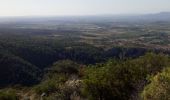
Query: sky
(81, 7)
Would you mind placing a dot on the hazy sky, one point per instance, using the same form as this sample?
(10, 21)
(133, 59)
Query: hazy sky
(81, 7)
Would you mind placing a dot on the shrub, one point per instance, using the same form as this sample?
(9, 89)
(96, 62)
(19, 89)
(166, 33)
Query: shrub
(159, 88)
(46, 87)
(64, 67)
(8, 95)
(120, 80)
(112, 81)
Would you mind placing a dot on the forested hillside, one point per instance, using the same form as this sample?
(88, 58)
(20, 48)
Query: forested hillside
(119, 79)
(25, 58)
(98, 60)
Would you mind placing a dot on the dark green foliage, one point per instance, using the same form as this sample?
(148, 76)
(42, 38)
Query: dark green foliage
(123, 53)
(23, 58)
(42, 51)
(52, 86)
(64, 67)
(119, 80)
(47, 87)
(159, 88)
(54, 81)
(116, 79)
(61, 50)
(153, 63)
(14, 70)
(8, 95)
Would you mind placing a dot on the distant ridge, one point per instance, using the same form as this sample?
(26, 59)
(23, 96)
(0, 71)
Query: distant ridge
(162, 16)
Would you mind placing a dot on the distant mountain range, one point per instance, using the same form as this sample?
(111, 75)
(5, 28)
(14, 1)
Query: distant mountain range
(162, 16)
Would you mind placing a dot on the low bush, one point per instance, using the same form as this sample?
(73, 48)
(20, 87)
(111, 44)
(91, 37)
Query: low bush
(8, 95)
(159, 88)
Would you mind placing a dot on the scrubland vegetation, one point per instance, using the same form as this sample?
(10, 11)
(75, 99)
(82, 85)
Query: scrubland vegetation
(85, 61)
(143, 78)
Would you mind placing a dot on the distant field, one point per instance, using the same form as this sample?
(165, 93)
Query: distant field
(98, 33)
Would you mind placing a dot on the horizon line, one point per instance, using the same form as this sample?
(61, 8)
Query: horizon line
(87, 15)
